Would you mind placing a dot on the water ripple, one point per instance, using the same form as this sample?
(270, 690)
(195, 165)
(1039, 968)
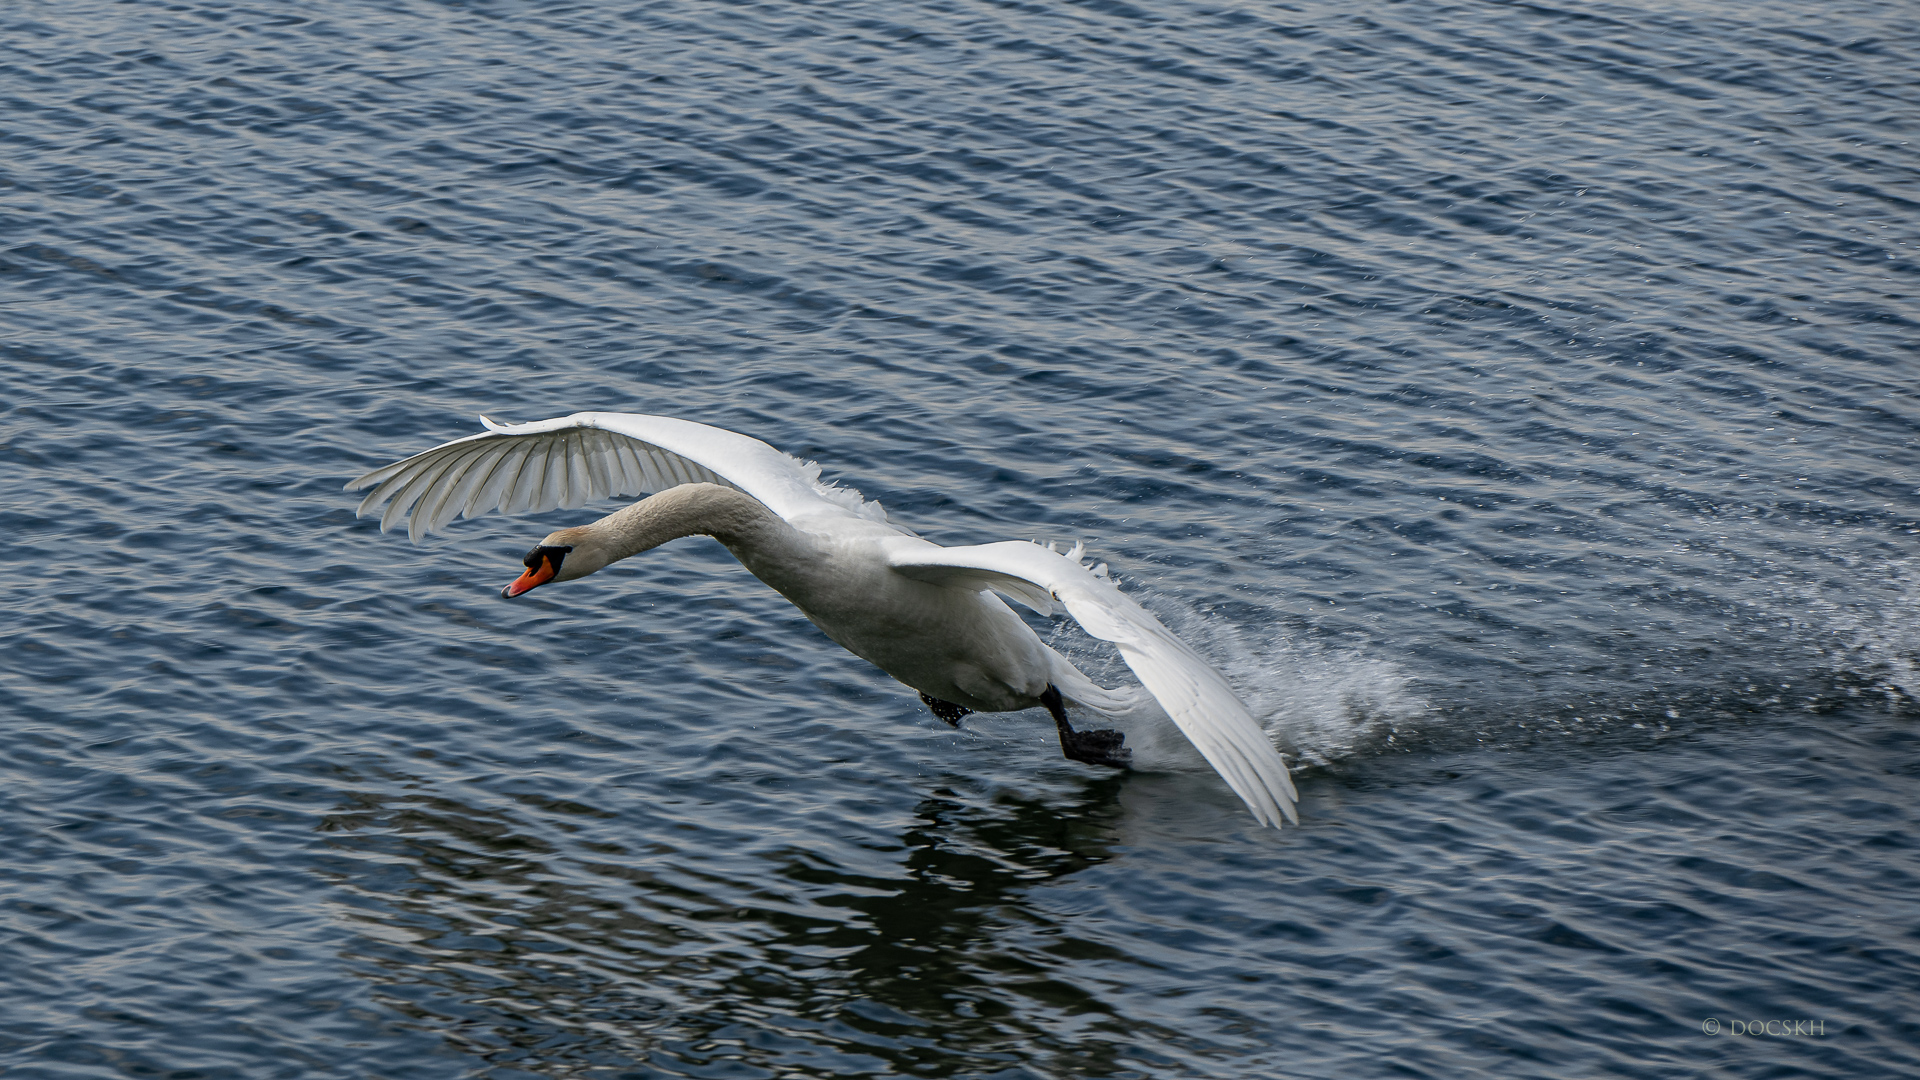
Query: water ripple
(1513, 400)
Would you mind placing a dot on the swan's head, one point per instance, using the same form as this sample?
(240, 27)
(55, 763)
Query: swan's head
(563, 556)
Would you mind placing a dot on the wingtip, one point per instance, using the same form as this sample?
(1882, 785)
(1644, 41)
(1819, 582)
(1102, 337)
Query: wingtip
(1289, 808)
(1282, 808)
(1285, 796)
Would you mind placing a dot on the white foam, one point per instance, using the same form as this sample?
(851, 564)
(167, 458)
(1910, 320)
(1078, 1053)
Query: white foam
(1869, 627)
(1318, 702)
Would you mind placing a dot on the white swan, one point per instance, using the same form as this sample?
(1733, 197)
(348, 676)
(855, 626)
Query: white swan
(920, 612)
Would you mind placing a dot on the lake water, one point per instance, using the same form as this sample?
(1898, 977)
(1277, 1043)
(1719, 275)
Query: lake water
(1519, 402)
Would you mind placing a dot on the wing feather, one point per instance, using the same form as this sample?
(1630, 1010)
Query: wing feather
(580, 468)
(557, 491)
(417, 486)
(552, 489)
(627, 462)
(387, 485)
(439, 504)
(485, 472)
(574, 481)
(551, 482)
(1195, 695)
(600, 464)
(573, 460)
(526, 482)
(618, 469)
(512, 501)
(663, 469)
(471, 476)
(499, 490)
(635, 478)
(650, 468)
(678, 472)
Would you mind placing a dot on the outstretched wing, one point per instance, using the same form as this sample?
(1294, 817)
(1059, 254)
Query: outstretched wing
(566, 462)
(1192, 692)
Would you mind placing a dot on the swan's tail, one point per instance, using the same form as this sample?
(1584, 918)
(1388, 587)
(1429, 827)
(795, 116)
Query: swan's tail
(1084, 692)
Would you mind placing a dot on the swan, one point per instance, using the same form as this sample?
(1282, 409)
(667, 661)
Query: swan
(927, 615)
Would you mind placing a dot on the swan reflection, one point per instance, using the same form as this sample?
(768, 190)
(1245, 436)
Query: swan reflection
(939, 952)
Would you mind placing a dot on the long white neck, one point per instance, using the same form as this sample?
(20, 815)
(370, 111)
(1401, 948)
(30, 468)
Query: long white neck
(738, 520)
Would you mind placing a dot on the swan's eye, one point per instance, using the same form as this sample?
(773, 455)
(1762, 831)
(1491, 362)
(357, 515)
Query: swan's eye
(542, 553)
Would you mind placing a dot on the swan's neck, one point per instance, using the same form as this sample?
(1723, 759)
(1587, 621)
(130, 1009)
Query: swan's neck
(736, 519)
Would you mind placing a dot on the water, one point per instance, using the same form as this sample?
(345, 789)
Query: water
(1518, 402)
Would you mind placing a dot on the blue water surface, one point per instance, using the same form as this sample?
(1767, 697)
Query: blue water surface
(1519, 402)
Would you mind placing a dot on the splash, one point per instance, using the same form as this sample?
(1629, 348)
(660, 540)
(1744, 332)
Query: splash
(1867, 627)
(1320, 703)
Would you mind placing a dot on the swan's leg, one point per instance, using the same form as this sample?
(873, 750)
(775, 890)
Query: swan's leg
(945, 710)
(1093, 747)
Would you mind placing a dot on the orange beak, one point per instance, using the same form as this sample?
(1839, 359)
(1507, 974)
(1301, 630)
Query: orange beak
(532, 577)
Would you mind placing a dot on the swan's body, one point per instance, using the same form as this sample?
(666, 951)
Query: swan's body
(918, 611)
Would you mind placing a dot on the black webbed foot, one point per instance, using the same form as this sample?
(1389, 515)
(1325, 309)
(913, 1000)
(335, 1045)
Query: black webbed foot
(946, 710)
(1097, 748)
(1093, 747)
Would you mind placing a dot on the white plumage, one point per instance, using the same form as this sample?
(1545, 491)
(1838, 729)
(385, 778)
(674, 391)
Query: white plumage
(919, 611)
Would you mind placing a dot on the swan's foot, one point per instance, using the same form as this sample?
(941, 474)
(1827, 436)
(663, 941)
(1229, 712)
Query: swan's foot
(1093, 747)
(945, 710)
(1096, 748)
